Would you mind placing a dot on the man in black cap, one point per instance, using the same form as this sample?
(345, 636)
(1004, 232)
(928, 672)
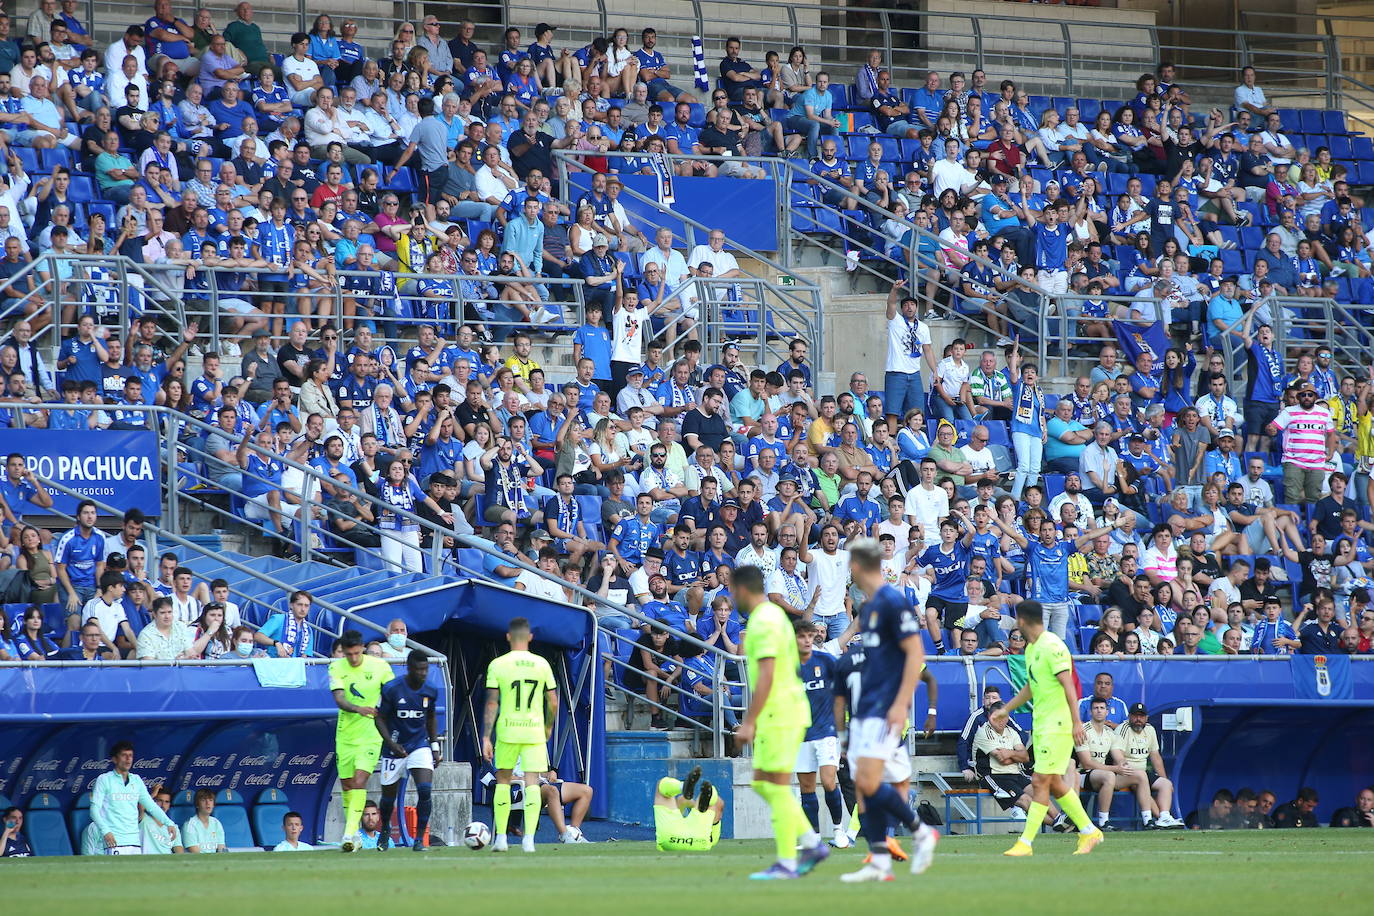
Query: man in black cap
(1140, 747)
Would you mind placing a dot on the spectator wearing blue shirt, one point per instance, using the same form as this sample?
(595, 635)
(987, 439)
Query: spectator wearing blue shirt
(80, 356)
(593, 342)
(655, 73)
(1274, 635)
(1052, 252)
(79, 557)
(929, 100)
(635, 535)
(857, 514)
(810, 114)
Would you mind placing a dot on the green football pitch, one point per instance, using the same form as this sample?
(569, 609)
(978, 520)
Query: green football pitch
(1176, 872)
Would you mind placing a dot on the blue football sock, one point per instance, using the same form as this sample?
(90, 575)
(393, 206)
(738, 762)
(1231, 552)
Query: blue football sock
(835, 803)
(887, 799)
(812, 806)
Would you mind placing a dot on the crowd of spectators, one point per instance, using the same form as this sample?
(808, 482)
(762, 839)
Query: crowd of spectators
(1138, 502)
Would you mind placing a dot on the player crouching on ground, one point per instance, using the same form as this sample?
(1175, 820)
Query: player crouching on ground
(682, 824)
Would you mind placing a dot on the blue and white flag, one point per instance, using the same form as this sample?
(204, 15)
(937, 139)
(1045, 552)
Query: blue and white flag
(1322, 677)
(699, 64)
(1135, 338)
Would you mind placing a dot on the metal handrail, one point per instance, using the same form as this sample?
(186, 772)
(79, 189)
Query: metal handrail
(800, 299)
(268, 579)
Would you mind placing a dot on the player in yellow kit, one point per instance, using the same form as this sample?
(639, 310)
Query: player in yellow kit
(521, 685)
(356, 680)
(1055, 727)
(775, 722)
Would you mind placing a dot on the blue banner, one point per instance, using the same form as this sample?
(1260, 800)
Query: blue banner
(1135, 339)
(745, 205)
(117, 467)
(1322, 677)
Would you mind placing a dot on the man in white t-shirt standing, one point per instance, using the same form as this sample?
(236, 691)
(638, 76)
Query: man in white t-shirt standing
(926, 504)
(908, 342)
(828, 573)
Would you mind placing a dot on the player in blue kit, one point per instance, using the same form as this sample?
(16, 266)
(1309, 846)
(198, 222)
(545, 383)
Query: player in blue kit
(820, 750)
(893, 659)
(948, 561)
(408, 720)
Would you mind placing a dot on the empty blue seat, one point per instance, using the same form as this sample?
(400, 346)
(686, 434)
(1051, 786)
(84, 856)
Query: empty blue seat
(863, 119)
(1333, 122)
(79, 817)
(82, 188)
(1309, 121)
(839, 94)
(266, 817)
(45, 826)
(232, 814)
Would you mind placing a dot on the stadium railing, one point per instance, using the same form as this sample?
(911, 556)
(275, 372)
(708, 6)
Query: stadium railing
(179, 499)
(160, 533)
(753, 309)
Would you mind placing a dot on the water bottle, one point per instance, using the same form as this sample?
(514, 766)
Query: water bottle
(450, 836)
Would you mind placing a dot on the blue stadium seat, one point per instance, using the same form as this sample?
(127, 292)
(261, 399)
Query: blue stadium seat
(698, 115)
(50, 158)
(79, 817)
(45, 827)
(1363, 146)
(266, 816)
(183, 806)
(403, 183)
(1309, 121)
(856, 146)
(863, 119)
(233, 815)
(82, 188)
(1341, 147)
(839, 94)
(1333, 122)
(28, 157)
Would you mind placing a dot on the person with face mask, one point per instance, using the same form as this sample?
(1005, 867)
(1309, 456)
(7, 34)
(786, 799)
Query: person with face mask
(395, 645)
(244, 647)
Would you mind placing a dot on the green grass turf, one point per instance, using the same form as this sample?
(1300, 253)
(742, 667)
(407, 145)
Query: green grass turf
(1249, 873)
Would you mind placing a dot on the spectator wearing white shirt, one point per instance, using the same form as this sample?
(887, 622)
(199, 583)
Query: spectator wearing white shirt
(672, 264)
(1098, 465)
(1217, 409)
(1276, 142)
(302, 75)
(1250, 97)
(926, 504)
(950, 172)
(828, 573)
(131, 42)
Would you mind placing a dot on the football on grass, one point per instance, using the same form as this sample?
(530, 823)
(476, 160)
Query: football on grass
(476, 835)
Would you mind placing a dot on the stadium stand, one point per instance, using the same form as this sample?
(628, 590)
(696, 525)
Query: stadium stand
(385, 324)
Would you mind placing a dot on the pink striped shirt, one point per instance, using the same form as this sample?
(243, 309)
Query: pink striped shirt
(1304, 434)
